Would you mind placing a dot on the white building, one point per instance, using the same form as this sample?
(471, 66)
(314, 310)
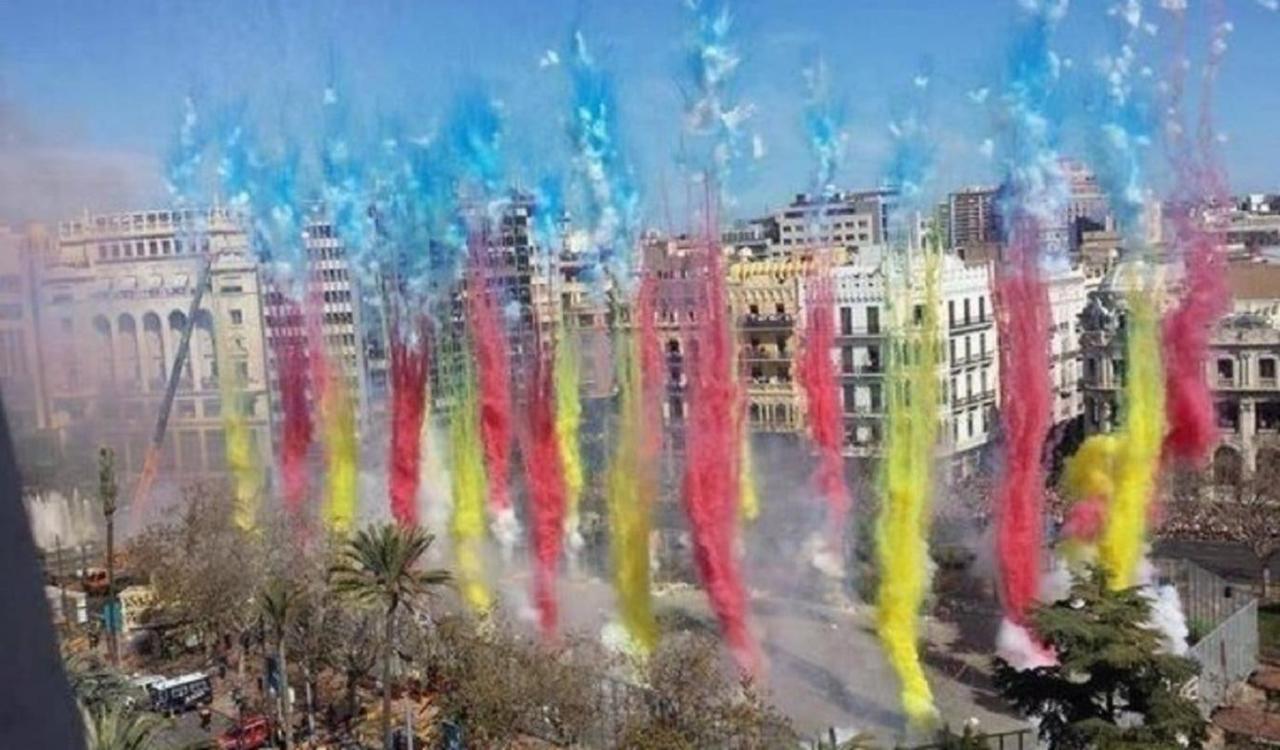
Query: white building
(969, 371)
(1067, 293)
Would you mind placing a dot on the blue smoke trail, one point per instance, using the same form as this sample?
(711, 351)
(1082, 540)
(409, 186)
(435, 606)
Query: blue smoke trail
(824, 125)
(185, 162)
(912, 154)
(612, 203)
(345, 190)
(475, 140)
(266, 192)
(1122, 116)
(1031, 110)
(711, 118)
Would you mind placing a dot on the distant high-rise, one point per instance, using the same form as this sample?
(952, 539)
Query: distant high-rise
(972, 220)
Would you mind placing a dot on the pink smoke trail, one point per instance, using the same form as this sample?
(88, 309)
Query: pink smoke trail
(493, 373)
(544, 469)
(1023, 320)
(295, 438)
(817, 375)
(711, 491)
(1200, 184)
(408, 406)
(652, 367)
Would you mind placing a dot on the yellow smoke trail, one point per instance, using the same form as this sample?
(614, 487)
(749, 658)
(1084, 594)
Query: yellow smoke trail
(749, 507)
(569, 421)
(1089, 473)
(906, 483)
(631, 487)
(1088, 476)
(241, 460)
(1137, 458)
(469, 491)
(338, 425)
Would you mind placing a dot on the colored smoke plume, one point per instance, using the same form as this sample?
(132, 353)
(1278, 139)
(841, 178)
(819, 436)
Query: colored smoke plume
(631, 488)
(545, 475)
(408, 408)
(295, 430)
(906, 479)
(712, 470)
(468, 524)
(568, 405)
(1137, 459)
(493, 376)
(1023, 318)
(818, 381)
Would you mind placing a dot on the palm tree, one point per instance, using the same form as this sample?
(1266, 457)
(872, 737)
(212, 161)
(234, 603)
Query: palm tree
(279, 604)
(117, 728)
(377, 568)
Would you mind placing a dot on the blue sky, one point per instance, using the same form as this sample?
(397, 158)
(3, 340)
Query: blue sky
(91, 92)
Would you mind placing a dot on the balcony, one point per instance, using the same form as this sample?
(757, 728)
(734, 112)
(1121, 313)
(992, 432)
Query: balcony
(762, 354)
(870, 332)
(960, 326)
(775, 322)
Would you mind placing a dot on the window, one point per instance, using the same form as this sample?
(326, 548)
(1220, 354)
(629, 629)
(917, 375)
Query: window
(966, 311)
(237, 317)
(951, 312)
(873, 319)
(952, 342)
(917, 314)
(186, 409)
(846, 321)
(968, 348)
(982, 309)
(877, 401)
(846, 359)
(1267, 369)
(1226, 369)
(242, 371)
(849, 398)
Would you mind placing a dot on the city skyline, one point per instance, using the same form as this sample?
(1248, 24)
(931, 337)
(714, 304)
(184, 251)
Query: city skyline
(86, 116)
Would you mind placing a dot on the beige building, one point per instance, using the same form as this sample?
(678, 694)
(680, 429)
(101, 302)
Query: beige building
(765, 303)
(20, 367)
(114, 297)
(1241, 368)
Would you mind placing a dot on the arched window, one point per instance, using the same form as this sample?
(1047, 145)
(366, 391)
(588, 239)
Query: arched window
(102, 353)
(130, 362)
(153, 341)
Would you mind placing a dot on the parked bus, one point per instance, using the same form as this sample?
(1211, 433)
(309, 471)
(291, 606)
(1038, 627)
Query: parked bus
(180, 694)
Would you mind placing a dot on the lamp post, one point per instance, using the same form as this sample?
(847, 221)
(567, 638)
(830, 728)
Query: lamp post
(107, 493)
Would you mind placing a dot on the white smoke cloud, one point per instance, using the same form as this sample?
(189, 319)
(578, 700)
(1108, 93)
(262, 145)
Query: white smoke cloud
(1016, 646)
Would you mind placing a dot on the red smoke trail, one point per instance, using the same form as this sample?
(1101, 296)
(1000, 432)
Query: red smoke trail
(408, 405)
(817, 375)
(493, 374)
(295, 438)
(1023, 318)
(652, 368)
(1205, 296)
(713, 452)
(544, 470)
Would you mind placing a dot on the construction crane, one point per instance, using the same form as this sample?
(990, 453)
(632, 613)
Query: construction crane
(152, 462)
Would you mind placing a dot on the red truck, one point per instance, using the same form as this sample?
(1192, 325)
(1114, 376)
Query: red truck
(250, 734)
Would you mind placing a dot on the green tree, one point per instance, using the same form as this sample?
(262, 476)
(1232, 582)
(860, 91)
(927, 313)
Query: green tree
(379, 567)
(279, 604)
(118, 728)
(1113, 688)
